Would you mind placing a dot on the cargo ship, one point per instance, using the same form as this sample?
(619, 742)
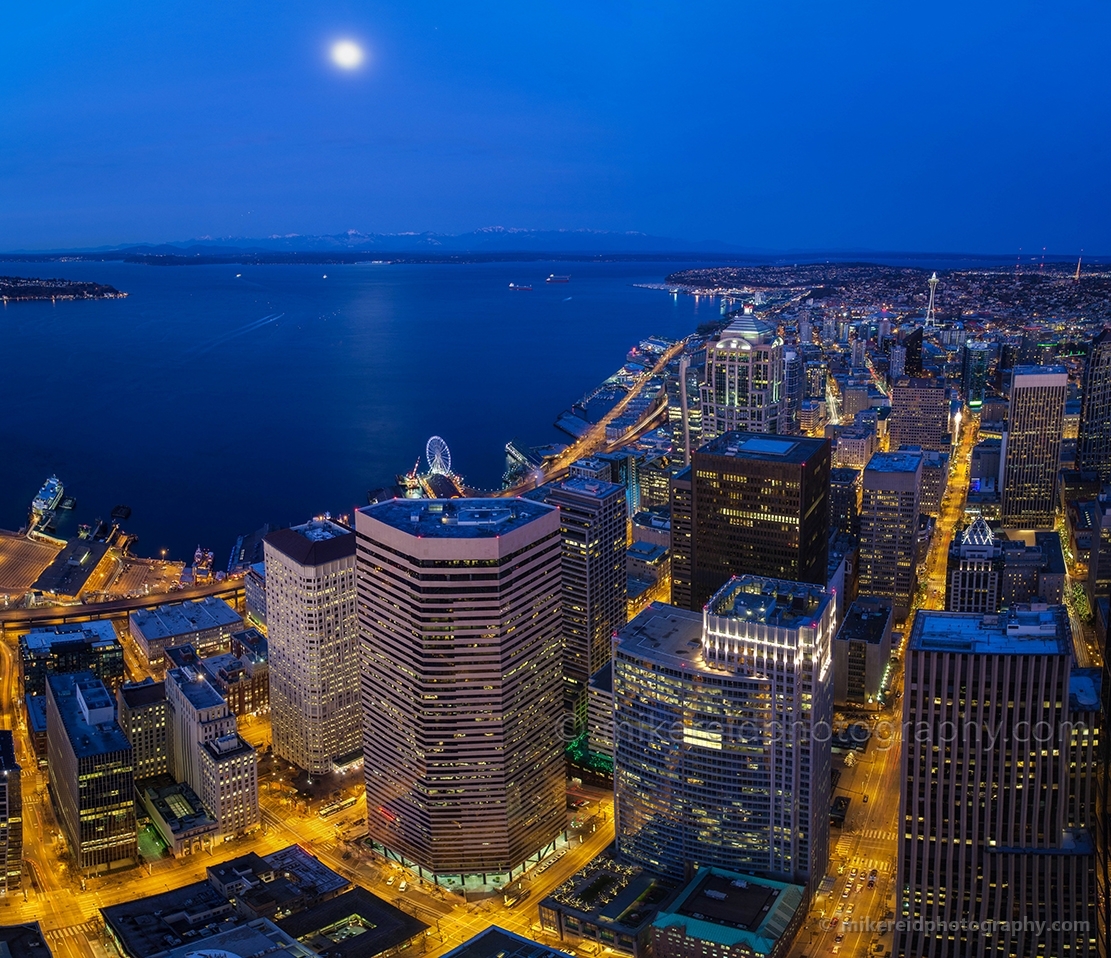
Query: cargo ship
(49, 496)
(557, 279)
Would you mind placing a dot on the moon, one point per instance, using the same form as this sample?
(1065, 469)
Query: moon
(347, 54)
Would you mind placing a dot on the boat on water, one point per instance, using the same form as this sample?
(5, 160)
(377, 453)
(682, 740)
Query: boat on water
(557, 279)
(49, 496)
(517, 288)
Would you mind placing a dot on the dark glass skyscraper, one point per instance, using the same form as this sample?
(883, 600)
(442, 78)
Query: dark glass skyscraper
(974, 373)
(759, 506)
(1093, 449)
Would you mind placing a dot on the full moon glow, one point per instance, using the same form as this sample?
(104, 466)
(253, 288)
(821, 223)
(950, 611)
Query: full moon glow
(347, 54)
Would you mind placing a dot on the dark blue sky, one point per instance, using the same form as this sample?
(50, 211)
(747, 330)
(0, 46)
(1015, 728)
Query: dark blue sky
(977, 127)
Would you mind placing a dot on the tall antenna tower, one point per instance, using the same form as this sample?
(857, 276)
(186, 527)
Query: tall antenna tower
(931, 317)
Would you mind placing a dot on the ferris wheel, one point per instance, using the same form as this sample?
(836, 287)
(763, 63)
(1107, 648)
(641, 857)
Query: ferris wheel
(438, 457)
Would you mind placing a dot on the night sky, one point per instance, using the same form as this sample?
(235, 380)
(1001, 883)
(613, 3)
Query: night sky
(973, 127)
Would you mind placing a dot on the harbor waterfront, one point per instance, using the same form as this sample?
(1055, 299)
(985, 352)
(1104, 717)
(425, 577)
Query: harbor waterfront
(266, 393)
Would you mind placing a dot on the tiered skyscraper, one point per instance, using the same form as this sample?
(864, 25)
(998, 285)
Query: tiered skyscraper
(720, 721)
(997, 800)
(313, 640)
(592, 519)
(1032, 446)
(1093, 450)
(744, 379)
(889, 528)
(759, 505)
(459, 608)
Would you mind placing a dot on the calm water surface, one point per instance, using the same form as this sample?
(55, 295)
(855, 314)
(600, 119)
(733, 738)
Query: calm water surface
(211, 403)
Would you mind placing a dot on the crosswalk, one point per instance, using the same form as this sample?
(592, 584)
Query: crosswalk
(87, 929)
(888, 834)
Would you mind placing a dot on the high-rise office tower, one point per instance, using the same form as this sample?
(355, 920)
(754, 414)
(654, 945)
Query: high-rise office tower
(846, 490)
(1032, 446)
(11, 815)
(794, 389)
(896, 362)
(592, 522)
(1093, 450)
(719, 719)
(208, 753)
(144, 715)
(759, 506)
(91, 773)
(913, 346)
(682, 538)
(459, 609)
(313, 640)
(889, 528)
(744, 379)
(974, 570)
(919, 414)
(996, 849)
(974, 373)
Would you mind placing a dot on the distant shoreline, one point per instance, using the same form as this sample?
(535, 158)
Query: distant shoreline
(22, 289)
(258, 257)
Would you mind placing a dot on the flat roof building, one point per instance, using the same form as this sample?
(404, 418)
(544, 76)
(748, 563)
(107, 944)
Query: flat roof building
(496, 942)
(73, 647)
(90, 773)
(143, 712)
(357, 924)
(725, 914)
(206, 624)
(460, 612)
(313, 646)
(862, 652)
(756, 665)
(891, 504)
(759, 505)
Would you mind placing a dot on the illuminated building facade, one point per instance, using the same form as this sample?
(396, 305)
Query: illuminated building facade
(11, 816)
(974, 373)
(1093, 450)
(459, 607)
(890, 505)
(144, 715)
(997, 804)
(90, 774)
(721, 745)
(1032, 446)
(592, 521)
(759, 506)
(744, 380)
(313, 645)
(919, 414)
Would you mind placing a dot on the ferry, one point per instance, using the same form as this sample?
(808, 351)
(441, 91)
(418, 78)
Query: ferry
(49, 496)
(557, 279)
(520, 289)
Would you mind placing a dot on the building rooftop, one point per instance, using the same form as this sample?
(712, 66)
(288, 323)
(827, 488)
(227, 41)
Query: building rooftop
(748, 328)
(7, 752)
(457, 518)
(894, 462)
(776, 602)
(840, 475)
(137, 695)
(356, 924)
(868, 618)
(591, 488)
(254, 939)
(150, 926)
(314, 543)
(613, 894)
(496, 942)
(36, 713)
(23, 941)
(198, 691)
(71, 568)
(1035, 370)
(1084, 690)
(1034, 629)
(752, 445)
(40, 641)
(665, 632)
(646, 551)
(227, 746)
(602, 680)
(731, 909)
(181, 618)
(179, 656)
(177, 803)
(87, 739)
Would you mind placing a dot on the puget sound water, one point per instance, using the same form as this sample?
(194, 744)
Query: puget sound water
(216, 398)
